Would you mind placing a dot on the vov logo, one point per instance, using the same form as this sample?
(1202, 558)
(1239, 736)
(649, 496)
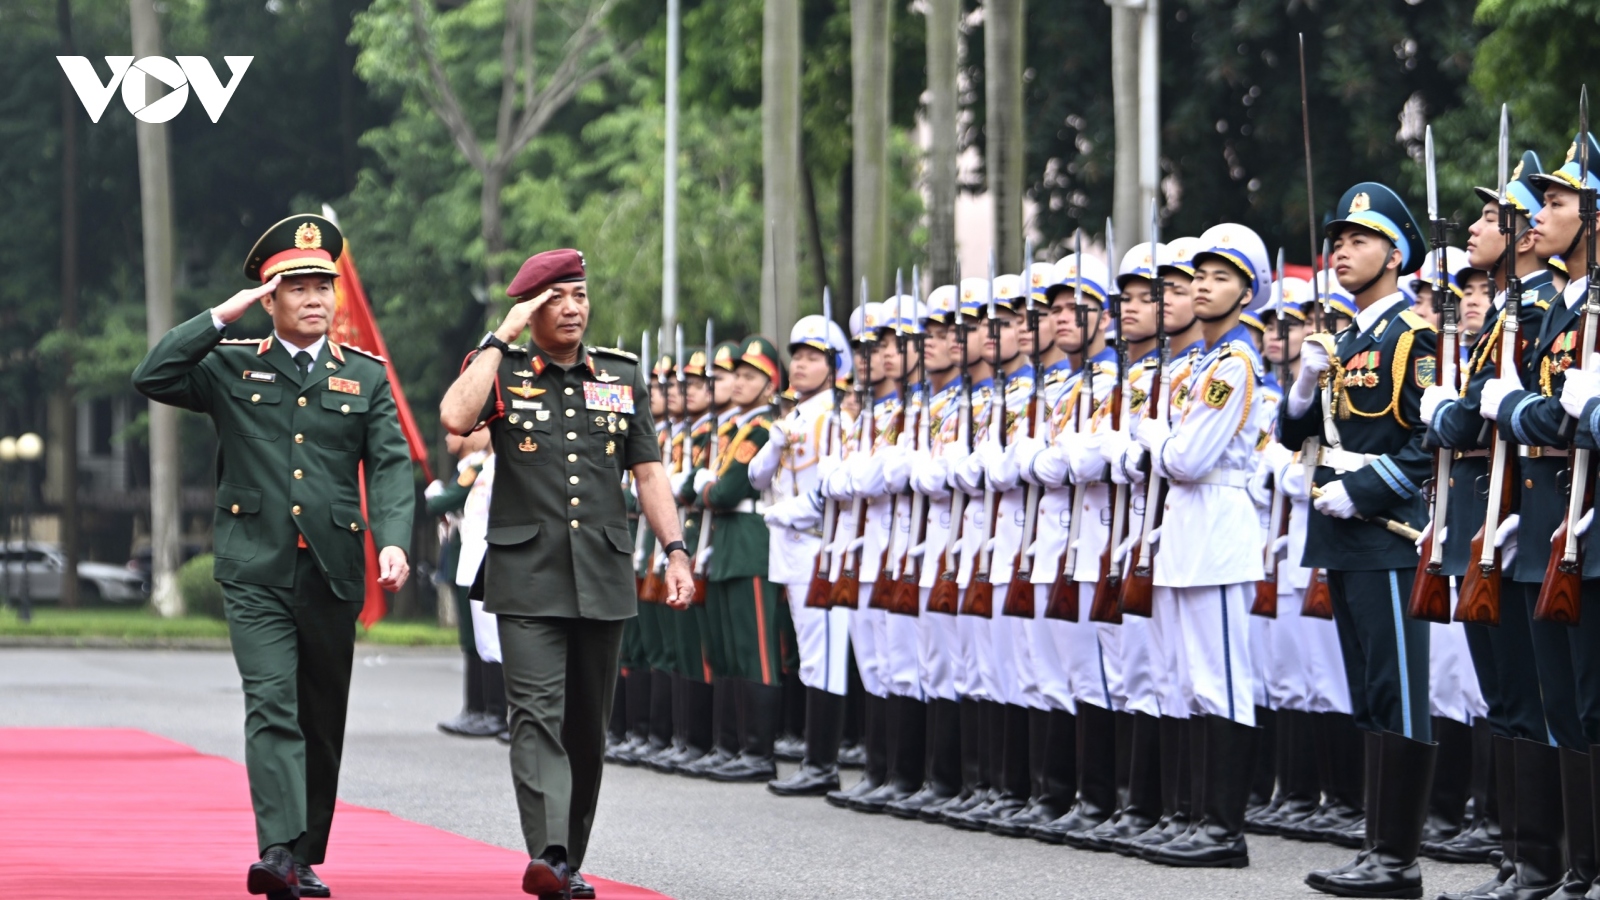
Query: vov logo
(187, 72)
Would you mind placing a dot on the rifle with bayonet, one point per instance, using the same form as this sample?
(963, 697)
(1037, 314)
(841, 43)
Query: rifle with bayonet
(1559, 599)
(979, 599)
(1019, 595)
(1430, 589)
(945, 596)
(903, 597)
(1107, 603)
(1062, 604)
(847, 587)
(712, 457)
(883, 586)
(1266, 601)
(1318, 601)
(1138, 591)
(818, 591)
(1479, 601)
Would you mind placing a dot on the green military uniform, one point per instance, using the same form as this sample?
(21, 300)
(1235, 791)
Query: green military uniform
(559, 573)
(289, 532)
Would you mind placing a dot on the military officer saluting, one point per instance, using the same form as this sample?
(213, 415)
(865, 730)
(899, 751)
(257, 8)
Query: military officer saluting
(297, 416)
(565, 421)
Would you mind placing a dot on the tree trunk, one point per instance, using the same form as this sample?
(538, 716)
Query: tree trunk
(869, 119)
(846, 298)
(155, 202)
(494, 239)
(1125, 204)
(67, 398)
(1003, 50)
(780, 153)
(819, 259)
(944, 21)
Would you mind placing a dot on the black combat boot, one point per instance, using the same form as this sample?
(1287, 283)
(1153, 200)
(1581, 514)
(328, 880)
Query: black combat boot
(819, 770)
(1096, 795)
(942, 766)
(1217, 838)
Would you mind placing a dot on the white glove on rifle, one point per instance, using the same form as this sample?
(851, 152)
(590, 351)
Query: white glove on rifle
(1433, 398)
(1313, 362)
(1505, 537)
(930, 477)
(1335, 501)
(703, 478)
(1129, 469)
(778, 434)
(1495, 391)
(1580, 386)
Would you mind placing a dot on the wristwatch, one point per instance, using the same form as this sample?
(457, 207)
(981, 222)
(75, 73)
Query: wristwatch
(493, 340)
(675, 545)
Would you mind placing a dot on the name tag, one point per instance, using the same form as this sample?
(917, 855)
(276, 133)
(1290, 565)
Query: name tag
(527, 404)
(616, 398)
(344, 386)
(268, 377)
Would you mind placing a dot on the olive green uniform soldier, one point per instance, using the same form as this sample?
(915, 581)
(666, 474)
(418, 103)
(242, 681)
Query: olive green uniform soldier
(740, 600)
(295, 425)
(565, 422)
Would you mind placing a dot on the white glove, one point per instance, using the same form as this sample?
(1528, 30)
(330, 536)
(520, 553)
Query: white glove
(1275, 456)
(1313, 362)
(896, 468)
(1000, 465)
(1505, 537)
(967, 474)
(1433, 398)
(1583, 523)
(826, 466)
(1444, 535)
(677, 479)
(703, 478)
(1022, 452)
(930, 477)
(1580, 386)
(1050, 467)
(1113, 445)
(1280, 545)
(1151, 433)
(798, 513)
(778, 434)
(1129, 468)
(1495, 391)
(1294, 482)
(837, 485)
(1335, 501)
(1083, 458)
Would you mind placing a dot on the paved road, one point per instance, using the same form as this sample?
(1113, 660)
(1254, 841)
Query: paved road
(692, 840)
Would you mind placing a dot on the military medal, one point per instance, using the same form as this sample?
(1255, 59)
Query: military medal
(611, 447)
(513, 418)
(344, 386)
(616, 398)
(527, 445)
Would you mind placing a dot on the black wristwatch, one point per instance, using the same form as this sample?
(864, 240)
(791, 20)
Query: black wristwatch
(675, 545)
(493, 340)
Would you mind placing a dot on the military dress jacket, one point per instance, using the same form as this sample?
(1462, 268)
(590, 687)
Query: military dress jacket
(559, 542)
(739, 535)
(1379, 376)
(1534, 418)
(290, 450)
(1459, 424)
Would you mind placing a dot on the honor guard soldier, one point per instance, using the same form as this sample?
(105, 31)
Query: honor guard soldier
(739, 597)
(1533, 413)
(1359, 397)
(788, 468)
(299, 418)
(565, 421)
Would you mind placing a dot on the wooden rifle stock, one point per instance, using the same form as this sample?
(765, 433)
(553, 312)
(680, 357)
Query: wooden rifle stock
(1138, 588)
(1107, 604)
(1560, 595)
(1266, 601)
(1318, 602)
(1430, 589)
(1480, 589)
(1265, 604)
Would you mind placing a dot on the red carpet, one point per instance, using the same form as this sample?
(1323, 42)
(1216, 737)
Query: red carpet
(90, 813)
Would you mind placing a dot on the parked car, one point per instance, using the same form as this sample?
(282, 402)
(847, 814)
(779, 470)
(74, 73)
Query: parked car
(42, 564)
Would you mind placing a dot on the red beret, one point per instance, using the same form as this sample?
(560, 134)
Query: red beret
(544, 269)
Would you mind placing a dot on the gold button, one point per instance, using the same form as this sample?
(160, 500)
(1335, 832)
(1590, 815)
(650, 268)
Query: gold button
(571, 413)
(572, 480)
(301, 401)
(354, 527)
(572, 436)
(299, 474)
(572, 457)
(1452, 482)
(255, 398)
(236, 509)
(299, 439)
(1528, 483)
(574, 501)
(344, 408)
(569, 392)
(295, 509)
(574, 523)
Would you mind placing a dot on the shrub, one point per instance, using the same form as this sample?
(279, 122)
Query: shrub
(202, 595)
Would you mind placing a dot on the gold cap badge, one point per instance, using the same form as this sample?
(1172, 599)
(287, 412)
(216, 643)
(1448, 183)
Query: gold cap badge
(308, 237)
(1360, 203)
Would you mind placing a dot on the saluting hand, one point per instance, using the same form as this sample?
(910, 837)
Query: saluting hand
(232, 308)
(392, 569)
(518, 317)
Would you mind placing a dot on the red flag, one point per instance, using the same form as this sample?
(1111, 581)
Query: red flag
(353, 324)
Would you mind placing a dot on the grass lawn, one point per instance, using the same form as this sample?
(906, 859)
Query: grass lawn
(143, 625)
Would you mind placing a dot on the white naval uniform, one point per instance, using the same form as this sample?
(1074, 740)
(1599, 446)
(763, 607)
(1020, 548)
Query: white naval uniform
(1211, 557)
(902, 633)
(938, 643)
(975, 675)
(1263, 640)
(790, 476)
(474, 545)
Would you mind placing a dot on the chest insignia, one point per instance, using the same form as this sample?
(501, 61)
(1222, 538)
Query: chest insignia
(617, 398)
(525, 373)
(526, 390)
(607, 377)
(344, 386)
(267, 377)
(332, 366)
(514, 418)
(1362, 370)
(527, 445)
(542, 415)
(611, 448)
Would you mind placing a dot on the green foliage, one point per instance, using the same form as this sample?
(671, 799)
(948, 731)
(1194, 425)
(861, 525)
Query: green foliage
(202, 595)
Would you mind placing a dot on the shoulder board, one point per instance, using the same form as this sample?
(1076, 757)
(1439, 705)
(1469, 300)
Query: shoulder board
(1246, 352)
(1542, 305)
(251, 341)
(367, 353)
(1416, 322)
(613, 351)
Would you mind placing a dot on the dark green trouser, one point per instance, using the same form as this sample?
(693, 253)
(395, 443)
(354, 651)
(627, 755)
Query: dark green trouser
(687, 628)
(632, 653)
(745, 614)
(658, 651)
(293, 647)
(561, 676)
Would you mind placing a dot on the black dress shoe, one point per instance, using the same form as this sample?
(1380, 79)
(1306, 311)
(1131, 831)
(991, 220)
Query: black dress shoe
(310, 884)
(473, 724)
(807, 781)
(1474, 844)
(581, 890)
(274, 875)
(701, 767)
(547, 881)
(912, 806)
(978, 819)
(745, 767)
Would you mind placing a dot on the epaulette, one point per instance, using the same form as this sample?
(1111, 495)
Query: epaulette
(1416, 322)
(367, 353)
(240, 341)
(615, 351)
(1542, 305)
(1246, 351)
